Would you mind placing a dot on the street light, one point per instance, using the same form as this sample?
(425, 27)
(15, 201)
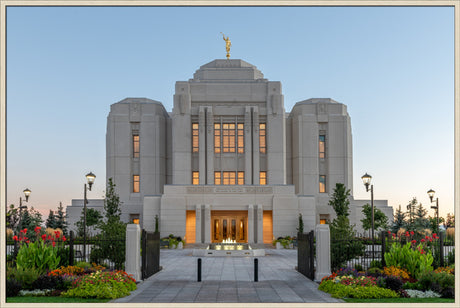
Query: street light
(90, 177)
(26, 194)
(431, 194)
(367, 182)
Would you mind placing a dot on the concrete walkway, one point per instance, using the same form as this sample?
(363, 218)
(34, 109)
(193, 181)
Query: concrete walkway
(228, 280)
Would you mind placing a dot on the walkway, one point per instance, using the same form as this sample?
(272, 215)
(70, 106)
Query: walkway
(228, 280)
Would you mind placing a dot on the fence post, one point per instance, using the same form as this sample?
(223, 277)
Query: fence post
(144, 254)
(256, 269)
(383, 249)
(199, 270)
(133, 250)
(441, 249)
(323, 252)
(71, 251)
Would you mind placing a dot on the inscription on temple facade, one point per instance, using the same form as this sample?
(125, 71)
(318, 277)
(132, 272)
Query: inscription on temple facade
(230, 190)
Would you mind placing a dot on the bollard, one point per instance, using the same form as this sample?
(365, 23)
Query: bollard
(199, 269)
(256, 269)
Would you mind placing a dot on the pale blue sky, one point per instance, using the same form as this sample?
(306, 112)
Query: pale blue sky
(392, 66)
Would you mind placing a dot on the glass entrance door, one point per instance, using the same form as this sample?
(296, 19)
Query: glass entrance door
(232, 228)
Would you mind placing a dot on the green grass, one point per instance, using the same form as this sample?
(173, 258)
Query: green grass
(53, 299)
(400, 300)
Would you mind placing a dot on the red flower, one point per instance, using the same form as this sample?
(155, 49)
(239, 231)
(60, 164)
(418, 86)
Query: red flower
(413, 241)
(412, 233)
(422, 240)
(37, 229)
(50, 237)
(394, 235)
(27, 241)
(407, 233)
(44, 237)
(57, 233)
(63, 238)
(15, 238)
(389, 232)
(54, 244)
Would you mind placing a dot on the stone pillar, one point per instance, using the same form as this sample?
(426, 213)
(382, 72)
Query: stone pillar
(255, 152)
(248, 146)
(198, 224)
(207, 223)
(323, 252)
(210, 145)
(250, 223)
(202, 145)
(260, 226)
(133, 251)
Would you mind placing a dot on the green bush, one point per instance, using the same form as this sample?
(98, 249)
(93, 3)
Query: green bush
(25, 277)
(83, 264)
(442, 283)
(415, 260)
(451, 257)
(338, 290)
(376, 263)
(359, 267)
(64, 256)
(393, 283)
(12, 287)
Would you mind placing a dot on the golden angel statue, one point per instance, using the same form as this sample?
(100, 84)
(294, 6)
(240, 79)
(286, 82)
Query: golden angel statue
(228, 44)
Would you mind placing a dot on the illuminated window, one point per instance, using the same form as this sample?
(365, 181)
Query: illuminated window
(228, 178)
(240, 177)
(322, 146)
(240, 138)
(322, 183)
(262, 138)
(195, 138)
(217, 138)
(217, 178)
(228, 138)
(134, 218)
(136, 183)
(195, 178)
(263, 178)
(135, 145)
(322, 221)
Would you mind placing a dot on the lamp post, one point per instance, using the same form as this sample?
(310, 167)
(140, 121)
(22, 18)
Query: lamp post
(431, 194)
(26, 194)
(90, 178)
(367, 182)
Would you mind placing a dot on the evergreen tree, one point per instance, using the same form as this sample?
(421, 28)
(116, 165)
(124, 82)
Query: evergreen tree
(12, 218)
(421, 222)
(409, 225)
(450, 221)
(93, 218)
(340, 200)
(399, 221)
(434, 223)
(61, 219)
(343, 245)
(111, 227)
(51, 221)
(380, 219)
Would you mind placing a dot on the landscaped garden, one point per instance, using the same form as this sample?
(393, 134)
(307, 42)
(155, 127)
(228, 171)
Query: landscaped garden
(41, 270)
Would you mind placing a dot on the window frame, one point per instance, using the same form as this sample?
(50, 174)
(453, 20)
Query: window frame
(322, 189)
(195, 138)
(263, 138)
(138, 182)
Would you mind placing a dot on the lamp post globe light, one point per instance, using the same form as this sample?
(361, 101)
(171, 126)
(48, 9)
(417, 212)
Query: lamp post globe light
(90, 177)
(431, 195)
(26, 194)
(367, 182)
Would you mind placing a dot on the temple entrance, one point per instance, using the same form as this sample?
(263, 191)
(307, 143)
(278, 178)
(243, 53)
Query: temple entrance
(229, 225)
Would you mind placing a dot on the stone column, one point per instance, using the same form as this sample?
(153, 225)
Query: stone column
(202, 145)
(256, 153)
(133, 251)
(198, 224)
(207, 223)
(210, 145)
(323, 252)
(248, 146)
(250, 223)
(260, 226)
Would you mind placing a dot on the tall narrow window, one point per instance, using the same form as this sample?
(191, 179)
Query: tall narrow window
(229, 178)
(240, 177)
(322, 183)
(217, 178)
(195, 144)
(263, 178)
(228, 138)
(136, 183)
(322, 146)
(195, 177)
(262, 138)
(240, 138)
(216, 138)
(135, 146)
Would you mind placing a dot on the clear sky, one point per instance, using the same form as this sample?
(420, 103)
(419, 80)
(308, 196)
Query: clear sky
(392, 66)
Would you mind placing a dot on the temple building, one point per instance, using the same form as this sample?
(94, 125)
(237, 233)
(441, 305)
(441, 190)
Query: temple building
(229, 162)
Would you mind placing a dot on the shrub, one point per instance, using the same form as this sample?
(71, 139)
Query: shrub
(415, 260)
(438, 282)
(113, 284)
(64, 256)
(381, 282)
(46, 282)
(376, 263)
(359, 267)
(24, 276)
(451, 256)
(338, 290)
(83, 264)
(393, 283)
(374, 272)
(12, 287)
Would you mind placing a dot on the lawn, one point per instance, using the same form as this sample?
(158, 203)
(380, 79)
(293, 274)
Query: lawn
(53, 299)
(400, 300)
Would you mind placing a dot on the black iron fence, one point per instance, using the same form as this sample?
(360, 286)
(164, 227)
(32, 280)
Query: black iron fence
(306, 254)
(362, 253)
(150, 248)
(107, 251)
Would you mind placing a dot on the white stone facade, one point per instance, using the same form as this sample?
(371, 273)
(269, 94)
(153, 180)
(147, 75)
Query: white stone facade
(204, 170)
